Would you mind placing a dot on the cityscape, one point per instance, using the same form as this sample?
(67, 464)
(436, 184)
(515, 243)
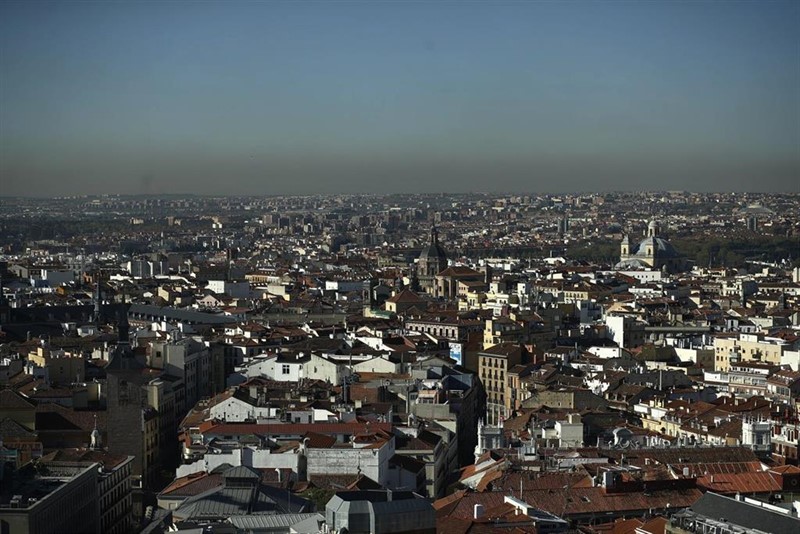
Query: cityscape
(387, 267)
(400, 363)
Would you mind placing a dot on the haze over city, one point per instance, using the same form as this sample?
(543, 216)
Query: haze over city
(315, 97)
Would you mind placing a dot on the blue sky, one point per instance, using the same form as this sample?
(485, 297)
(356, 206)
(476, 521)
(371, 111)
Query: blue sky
(321, 97)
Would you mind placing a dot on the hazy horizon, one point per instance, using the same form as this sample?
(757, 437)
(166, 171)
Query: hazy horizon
(302, 98)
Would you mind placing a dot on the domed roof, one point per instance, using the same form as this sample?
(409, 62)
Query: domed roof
(434, 252)
(660, 246)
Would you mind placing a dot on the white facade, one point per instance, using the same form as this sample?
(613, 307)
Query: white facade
(284, 370)
(373, 462)
(757, 435)
(644, 276)
(233, 410)
(623, 329)
(247, 456)
(274, 368)
(791, 358)
(570, 432)
(324, 416)
(378, 364)
(320, 368)
(259, 366)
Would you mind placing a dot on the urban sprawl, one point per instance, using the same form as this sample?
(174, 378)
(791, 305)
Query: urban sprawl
(611, 363)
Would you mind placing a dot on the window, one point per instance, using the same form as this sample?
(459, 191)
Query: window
(285, 369)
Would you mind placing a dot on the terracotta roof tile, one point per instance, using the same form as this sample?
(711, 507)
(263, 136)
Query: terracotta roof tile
(193, 484)
(577, 501)
(731, 483)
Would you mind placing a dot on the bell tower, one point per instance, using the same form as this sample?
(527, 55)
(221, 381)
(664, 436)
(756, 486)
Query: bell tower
(624, 248)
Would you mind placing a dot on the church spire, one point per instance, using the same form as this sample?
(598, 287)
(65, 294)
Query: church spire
(96, 440)
(479, 446)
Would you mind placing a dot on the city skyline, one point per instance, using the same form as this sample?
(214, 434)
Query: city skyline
(284, 98)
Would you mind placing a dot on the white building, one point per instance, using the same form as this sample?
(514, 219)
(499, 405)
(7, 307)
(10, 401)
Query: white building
(319, 367)
(248, 456)
(570, 432)
(371, 459)
(236, 410)
(757, 434)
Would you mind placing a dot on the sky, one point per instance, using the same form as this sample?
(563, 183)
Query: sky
(268, 98)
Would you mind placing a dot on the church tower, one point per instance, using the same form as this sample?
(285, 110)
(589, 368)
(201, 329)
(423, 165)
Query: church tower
(127, 401)
(624, 248)
(432, 261)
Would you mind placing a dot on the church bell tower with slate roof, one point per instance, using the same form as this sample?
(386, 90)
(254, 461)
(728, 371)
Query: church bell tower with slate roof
(432, 261)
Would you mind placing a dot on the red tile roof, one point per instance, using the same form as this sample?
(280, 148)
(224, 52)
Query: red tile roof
(406, 296)
(299, 429)
(730, 483)
(574, 501)
(193, 484)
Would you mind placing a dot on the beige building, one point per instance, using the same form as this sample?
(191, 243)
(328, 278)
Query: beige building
(456, 282)
(494, 365)
(62, 367)
(501, 330)
(573, 398)
(472, 300)
(747, 348)
(517, 386)
(404, 301)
